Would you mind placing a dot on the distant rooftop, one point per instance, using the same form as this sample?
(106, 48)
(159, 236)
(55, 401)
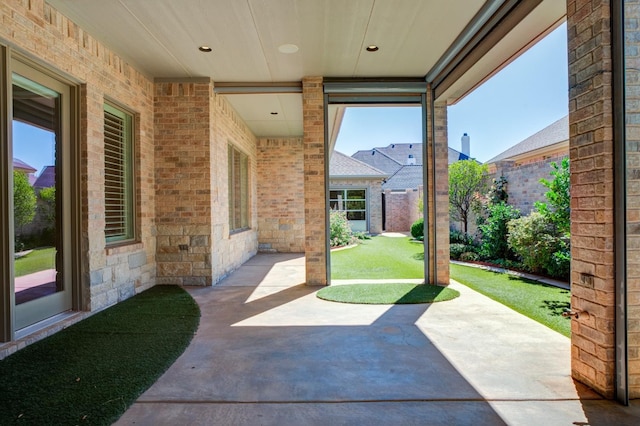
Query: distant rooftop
(392, 157)
(407, 177)
(47, 178)
(552, 134)
(342, 165)
(22, 166)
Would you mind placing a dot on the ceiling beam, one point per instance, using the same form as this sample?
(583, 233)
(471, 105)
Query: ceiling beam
(469, 32)
(224, 88)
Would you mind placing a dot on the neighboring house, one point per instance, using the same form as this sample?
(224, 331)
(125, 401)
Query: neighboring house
(525, 163)
(46, 178)
(403, 190)
(21, 166)
(355, 187)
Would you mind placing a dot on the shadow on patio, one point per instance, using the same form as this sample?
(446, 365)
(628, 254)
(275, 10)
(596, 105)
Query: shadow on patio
(269, 352)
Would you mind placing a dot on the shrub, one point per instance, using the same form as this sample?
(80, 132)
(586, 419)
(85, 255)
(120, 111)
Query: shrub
(460, 237)
(494, 231)
(340, 231)
(535, 239)
(417, 229)
(456, 249)
(362, 236)
(469, 256)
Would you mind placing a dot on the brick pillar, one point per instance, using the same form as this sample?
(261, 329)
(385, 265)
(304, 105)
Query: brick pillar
(592, 189)
(183, 182)
(314, 181)
(632, 113)
(437, 193)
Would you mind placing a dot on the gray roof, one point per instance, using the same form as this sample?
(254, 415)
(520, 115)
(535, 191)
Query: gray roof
(18, 164)
(47, 178)
(391, 158)
(342, 165)
(378, 159)
(407, 177)
(554, 133)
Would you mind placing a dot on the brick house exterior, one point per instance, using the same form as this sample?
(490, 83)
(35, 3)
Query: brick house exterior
(525, 163)
(348, 174)
(403, 189)
(183, 130)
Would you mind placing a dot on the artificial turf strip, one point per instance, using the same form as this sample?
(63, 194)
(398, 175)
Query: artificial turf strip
(387, 294)
(91, 372)
(540, 302)
(379, 257)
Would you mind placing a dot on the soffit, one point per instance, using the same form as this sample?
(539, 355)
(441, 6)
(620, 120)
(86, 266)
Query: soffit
(161, 39)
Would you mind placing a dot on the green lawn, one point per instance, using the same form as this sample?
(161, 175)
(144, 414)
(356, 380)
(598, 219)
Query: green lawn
(377, 258)
(540, 302)
(38, 260)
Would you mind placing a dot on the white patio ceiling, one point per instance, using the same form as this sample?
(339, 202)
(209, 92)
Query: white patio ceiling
(161, 38)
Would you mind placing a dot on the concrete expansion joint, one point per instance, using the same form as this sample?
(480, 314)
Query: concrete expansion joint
(363, 401)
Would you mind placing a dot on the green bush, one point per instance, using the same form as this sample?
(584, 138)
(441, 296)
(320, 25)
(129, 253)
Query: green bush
(340, 231)
(469, 256)
(460, 237)
(417, 229)
(494, 231)
(531, 238)
(456, 249)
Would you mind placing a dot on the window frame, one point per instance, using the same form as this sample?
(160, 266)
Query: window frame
(130, 234)
(346, 200)
(239, 195)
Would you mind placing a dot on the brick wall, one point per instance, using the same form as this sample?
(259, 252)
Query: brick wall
(314, 181)
(523, 181)
(437, 193)
(374, 199)
(281, 195)
(401, 209)
(592, 189)
(193, 131)
(37, 29)
(632, 95)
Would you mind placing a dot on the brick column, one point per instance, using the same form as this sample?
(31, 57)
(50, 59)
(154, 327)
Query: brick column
(314, 181)
(632, 113)
(183, 182)
(436, 198)
(592, 189)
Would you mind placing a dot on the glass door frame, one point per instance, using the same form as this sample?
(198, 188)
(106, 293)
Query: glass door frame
(70, 193)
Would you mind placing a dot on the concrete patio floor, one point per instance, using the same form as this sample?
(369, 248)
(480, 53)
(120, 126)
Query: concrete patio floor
(268, 352)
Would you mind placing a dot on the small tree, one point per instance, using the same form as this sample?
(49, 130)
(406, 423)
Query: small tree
(24, 200)
(466, 179)
(558, 211)
(48, 205)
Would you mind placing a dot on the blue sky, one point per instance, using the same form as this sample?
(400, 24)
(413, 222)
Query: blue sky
(34, 146)
(523, 98)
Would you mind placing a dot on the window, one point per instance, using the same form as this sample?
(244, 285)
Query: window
(238, 190)
(354, 203)
(118, 175)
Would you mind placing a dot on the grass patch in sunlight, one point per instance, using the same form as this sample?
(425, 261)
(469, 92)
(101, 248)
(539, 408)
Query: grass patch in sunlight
(540, 302)
(39, 259)
(379, 258)
(387, 294)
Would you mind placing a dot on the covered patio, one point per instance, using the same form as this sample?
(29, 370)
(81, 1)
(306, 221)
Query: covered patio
(269, 352)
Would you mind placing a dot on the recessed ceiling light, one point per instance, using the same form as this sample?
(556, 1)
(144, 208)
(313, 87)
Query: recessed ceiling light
(205, 49)
(274, 113)
(288, 48)
(372, 48)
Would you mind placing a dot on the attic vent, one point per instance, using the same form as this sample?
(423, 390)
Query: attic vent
(393, 145)
(411, 161)
(410, 145)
